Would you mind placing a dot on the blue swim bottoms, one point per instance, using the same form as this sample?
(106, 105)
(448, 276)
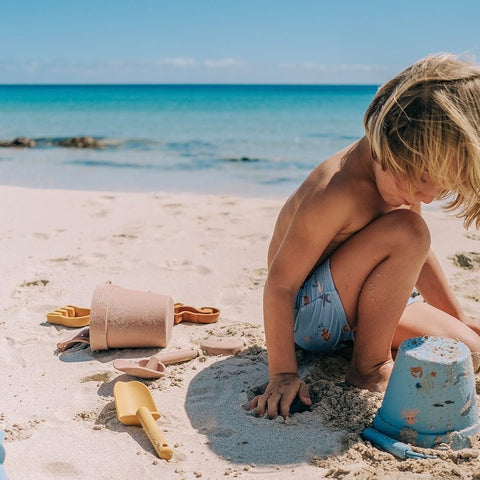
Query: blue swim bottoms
(414, 297)
(320, 321)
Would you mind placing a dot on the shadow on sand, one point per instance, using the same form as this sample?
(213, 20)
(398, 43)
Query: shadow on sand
(217, 405)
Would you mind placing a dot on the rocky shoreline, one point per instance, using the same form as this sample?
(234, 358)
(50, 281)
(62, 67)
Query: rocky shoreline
(71, 142)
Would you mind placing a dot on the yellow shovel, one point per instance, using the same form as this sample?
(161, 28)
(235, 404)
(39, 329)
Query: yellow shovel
(135, 406)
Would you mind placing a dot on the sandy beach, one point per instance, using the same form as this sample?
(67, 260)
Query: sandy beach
(58, 410)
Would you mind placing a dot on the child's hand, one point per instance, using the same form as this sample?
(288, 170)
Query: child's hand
(279, 395)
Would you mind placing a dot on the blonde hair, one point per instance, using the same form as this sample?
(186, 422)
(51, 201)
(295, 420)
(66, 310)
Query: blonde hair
(426, 120)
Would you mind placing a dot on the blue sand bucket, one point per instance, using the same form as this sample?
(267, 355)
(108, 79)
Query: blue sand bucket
(431, 398)
(3, 475)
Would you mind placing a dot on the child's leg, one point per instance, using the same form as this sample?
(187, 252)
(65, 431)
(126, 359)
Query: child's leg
(421, 319)
(374, 272)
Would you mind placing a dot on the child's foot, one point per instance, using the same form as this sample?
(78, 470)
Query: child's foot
(375, 381)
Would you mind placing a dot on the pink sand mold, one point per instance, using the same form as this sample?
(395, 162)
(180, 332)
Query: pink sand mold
(154, 367)
(82, 337)
(222, 345)
(431, 398)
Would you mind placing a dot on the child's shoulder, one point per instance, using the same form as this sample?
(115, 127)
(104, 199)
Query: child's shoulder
(342, 185)
(338, 180)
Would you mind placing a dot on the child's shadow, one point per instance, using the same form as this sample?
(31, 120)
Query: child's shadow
(217, 405)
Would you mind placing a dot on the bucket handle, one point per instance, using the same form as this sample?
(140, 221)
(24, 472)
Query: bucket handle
(390, 445)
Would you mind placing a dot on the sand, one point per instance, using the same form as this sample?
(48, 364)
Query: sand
(58, 411)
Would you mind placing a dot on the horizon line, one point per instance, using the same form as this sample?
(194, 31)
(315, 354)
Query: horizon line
(190, 84)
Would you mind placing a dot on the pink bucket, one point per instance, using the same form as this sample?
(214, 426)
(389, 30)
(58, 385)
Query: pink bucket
(122, 318)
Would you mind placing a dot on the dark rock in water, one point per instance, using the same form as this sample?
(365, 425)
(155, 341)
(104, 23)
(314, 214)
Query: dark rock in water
(242, 159)
(23, 142)
(80, 142)
(72, 142)
(19, 142)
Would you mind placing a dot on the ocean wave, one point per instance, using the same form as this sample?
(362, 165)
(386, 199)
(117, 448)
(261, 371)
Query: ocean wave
(169, 165)
(279, 180)
(108, 164)
(198, 163)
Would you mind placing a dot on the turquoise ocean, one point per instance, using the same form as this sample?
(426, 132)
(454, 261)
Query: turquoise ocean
(248, 140)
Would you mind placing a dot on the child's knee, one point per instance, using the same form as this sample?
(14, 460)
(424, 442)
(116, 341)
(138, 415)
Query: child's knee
(407, 230)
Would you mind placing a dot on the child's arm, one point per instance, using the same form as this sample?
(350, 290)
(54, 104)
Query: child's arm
(316, 222)
(435, 289)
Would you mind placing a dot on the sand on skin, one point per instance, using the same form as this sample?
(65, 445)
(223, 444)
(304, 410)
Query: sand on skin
(58, 410)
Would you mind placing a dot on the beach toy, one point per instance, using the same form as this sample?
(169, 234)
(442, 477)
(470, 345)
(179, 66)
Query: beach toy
(122, 318)
(430, 399)
(195, 315)
(3, 474)
(154, 367)
(82, 337)
(70, 316)
(222, 345)
(390, 445)
(135, 406)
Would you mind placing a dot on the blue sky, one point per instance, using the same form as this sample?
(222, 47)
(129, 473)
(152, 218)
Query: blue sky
(228, 41)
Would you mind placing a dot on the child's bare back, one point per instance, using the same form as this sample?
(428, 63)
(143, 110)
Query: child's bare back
(346, 176)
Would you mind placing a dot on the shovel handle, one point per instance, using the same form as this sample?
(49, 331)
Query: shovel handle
(156, 437)
(176, 356)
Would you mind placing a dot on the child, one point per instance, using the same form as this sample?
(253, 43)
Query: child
(350, 245)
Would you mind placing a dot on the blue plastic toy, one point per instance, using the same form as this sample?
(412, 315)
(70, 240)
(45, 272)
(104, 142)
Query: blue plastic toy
(3, 474)
(430, 399)
(390, 445)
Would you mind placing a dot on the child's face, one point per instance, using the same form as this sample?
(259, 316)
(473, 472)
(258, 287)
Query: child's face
(399, 191)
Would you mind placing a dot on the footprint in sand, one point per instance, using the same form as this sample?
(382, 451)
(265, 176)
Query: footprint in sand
(100, 214)
(472, 236)
(187, 266)
(102, 377)
(61, 470)
(22, 432)
(35, 283)
(257, 278)
(466, 260)
(106, 418)
(126, 236)
(60, 259)
(9, 352)
(41, 235)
